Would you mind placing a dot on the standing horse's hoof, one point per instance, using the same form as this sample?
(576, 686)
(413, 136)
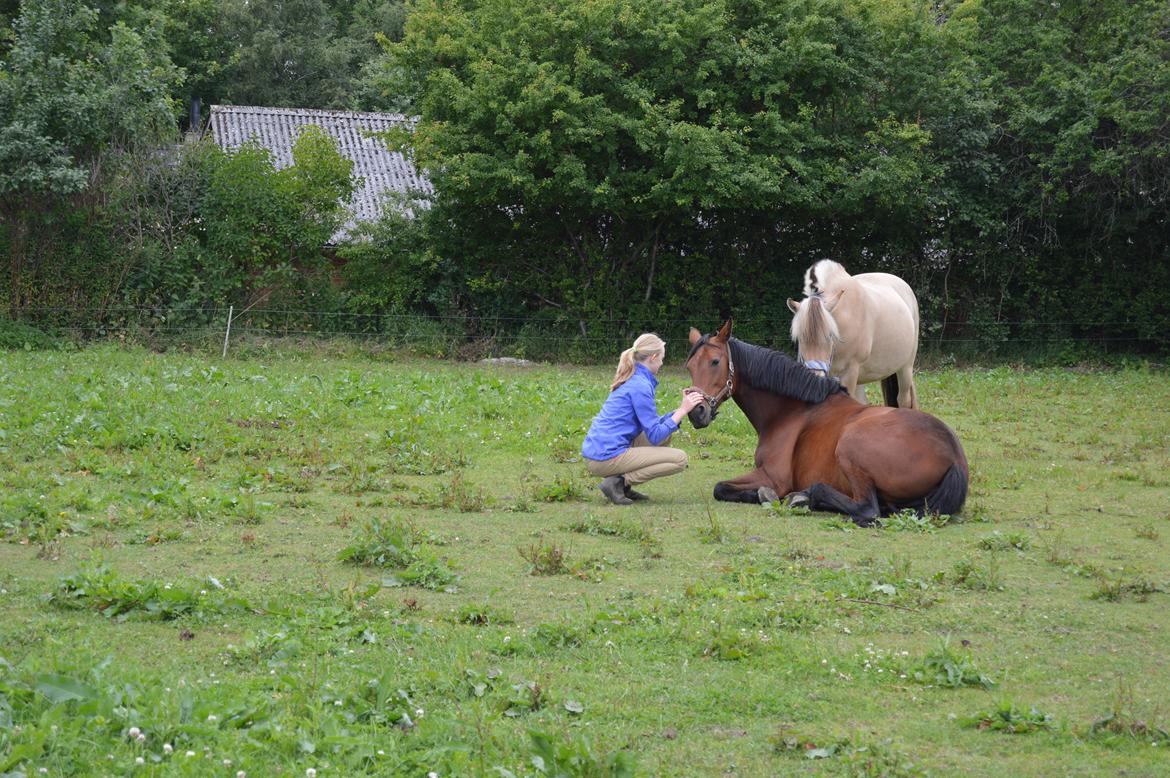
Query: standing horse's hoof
(798, 500)
(767, 495)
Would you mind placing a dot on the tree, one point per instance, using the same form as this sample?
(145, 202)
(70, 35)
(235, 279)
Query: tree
(66, 98)
(582, 151)
(265, 228)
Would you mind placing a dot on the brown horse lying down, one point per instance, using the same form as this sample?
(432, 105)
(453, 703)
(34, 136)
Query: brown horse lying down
(817, 445)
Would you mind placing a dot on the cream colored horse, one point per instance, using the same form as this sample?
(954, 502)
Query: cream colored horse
(861, 328)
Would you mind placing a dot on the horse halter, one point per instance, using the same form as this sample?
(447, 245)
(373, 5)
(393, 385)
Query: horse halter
(714, 402)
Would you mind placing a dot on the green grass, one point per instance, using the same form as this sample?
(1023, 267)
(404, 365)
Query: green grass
(368, 566)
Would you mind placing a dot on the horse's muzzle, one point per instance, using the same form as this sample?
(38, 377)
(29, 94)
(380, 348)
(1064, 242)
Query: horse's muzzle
(701, 416)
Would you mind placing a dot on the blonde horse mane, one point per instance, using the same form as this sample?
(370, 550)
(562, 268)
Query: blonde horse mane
(826, 279)
(813, 323)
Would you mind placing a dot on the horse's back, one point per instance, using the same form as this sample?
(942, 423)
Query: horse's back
(880, 313)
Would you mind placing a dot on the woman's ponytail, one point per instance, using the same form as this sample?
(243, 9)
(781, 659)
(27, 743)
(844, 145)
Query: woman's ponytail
(625, 369)
(646, 345)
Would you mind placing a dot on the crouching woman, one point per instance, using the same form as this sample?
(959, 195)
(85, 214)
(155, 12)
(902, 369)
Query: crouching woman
(625, 442)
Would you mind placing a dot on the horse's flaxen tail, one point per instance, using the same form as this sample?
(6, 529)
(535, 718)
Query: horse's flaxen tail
(890, 390)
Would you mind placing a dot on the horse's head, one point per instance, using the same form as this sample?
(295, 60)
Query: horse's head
(712, 372)
(814, 331)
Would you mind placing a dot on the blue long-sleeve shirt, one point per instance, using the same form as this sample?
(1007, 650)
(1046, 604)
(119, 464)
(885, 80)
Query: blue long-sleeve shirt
(628, 411)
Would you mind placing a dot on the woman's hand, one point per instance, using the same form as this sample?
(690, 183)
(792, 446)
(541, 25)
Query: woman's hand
(691, 398)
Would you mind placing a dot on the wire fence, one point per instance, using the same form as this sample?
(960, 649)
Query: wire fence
(564, 339)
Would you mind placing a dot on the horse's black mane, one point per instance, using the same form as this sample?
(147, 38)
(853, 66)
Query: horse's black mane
(779, 373)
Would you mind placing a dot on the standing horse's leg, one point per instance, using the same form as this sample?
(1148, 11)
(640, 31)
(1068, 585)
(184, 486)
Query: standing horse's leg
(849, 381)
(746, 488)
(907, 393)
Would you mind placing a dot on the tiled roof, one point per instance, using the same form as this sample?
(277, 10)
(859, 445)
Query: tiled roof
(379, 169)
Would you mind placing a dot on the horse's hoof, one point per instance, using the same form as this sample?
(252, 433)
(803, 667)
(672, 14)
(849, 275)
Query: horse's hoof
(767, 495)
(798, 500)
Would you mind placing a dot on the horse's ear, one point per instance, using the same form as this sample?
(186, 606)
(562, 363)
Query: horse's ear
(836, 301)
(694, 335)
(725, 330)
(793, 305)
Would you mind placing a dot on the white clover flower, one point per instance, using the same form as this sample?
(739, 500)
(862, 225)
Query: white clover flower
(418, 712)
(432, 774)
(141, 738)
(139, 760)
(310, 773)
(134, 732)
(168, 749)
(212, 717)
(190, 753)
(227, 763)
(241, 774)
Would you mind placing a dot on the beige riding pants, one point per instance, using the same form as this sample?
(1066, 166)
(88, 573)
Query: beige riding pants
(641, 462)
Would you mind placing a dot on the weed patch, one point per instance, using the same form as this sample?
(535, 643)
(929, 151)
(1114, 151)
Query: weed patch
(544, 558)
(562, 489)
(575, 758)
(1010, 541)
(100, 588)
(461, 496)
(403, 548)
(481, 615)
(913, 521)
(1009, 719)
(1117, 589)
(1122, 724)
(616, 528)
(713, 531)
(728, 644)
(971, 574)
(859, 758)
(947, 667)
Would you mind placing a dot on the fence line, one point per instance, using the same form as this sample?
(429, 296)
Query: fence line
(477, 336)
(219, 313)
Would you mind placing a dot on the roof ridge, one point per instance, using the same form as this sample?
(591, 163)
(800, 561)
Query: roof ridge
(260, 109)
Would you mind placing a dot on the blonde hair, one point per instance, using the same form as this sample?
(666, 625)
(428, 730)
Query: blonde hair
(647, 345)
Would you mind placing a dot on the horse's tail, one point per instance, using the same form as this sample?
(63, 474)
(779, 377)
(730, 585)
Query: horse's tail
(890, 390)
(949, 494)
(946, 498)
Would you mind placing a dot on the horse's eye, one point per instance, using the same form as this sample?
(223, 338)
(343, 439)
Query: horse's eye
(714, 363)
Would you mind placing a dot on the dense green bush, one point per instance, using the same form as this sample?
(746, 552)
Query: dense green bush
(603, 168)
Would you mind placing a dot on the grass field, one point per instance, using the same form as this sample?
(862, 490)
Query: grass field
(334, 564)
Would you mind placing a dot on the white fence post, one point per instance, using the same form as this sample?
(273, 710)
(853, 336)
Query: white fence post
(227, 333)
